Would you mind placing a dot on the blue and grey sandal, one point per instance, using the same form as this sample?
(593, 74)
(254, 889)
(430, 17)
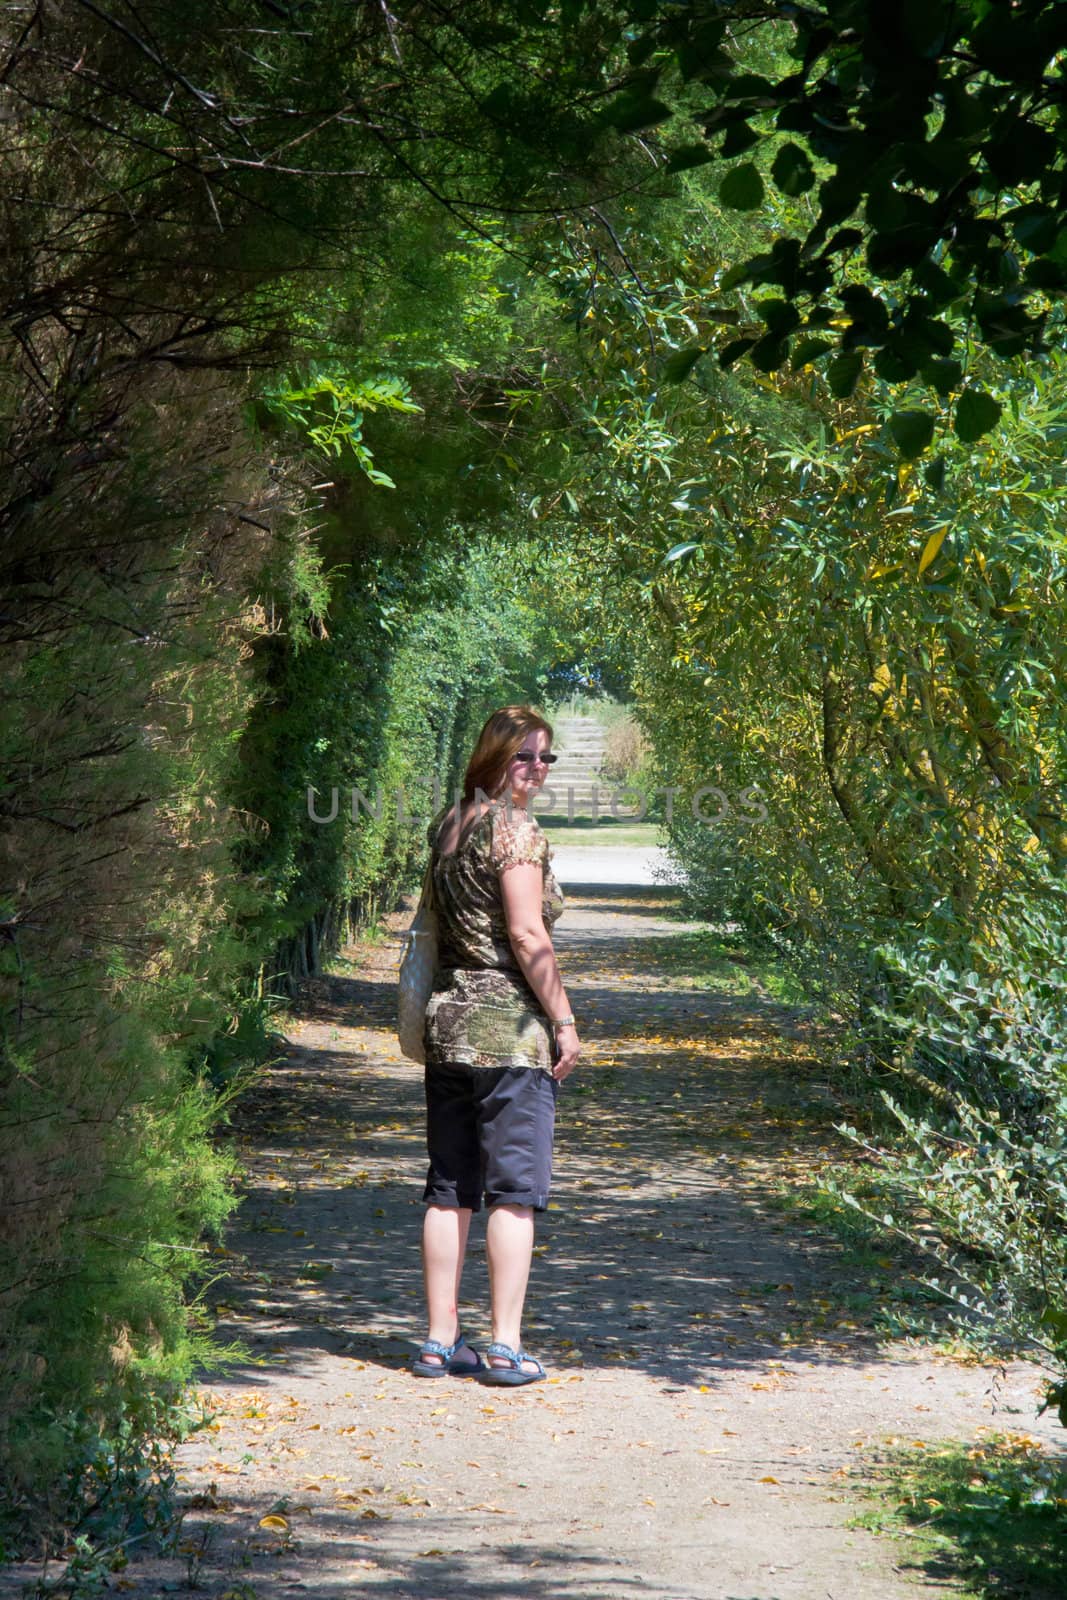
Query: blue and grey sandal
(511, 1375)
(448, 1364)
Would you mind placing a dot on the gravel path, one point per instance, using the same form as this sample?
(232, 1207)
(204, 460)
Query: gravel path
(583, 866)
(711, 1395)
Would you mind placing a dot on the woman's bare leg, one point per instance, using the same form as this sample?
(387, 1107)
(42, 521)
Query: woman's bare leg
(444, 1246)
(509, 1239)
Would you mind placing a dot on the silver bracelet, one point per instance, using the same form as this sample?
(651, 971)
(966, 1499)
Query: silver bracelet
(564, 1022)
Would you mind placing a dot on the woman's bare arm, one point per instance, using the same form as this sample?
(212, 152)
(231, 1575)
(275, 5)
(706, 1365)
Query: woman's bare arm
(521, 887)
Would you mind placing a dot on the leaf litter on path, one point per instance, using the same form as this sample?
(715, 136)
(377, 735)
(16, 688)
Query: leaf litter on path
(700, 1343)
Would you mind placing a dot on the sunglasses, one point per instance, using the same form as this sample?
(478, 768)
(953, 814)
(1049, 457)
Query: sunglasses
(530, 756)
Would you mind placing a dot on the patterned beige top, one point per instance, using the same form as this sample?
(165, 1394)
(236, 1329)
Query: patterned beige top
(482, 1011)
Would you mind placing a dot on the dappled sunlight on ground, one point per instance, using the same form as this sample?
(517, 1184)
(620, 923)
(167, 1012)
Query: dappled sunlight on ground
(716, 1371)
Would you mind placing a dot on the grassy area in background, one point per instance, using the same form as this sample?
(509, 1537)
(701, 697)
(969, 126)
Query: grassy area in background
(606, 833)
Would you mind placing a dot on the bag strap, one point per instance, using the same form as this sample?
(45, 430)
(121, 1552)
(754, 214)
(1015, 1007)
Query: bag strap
(426, 902)
(427, 898)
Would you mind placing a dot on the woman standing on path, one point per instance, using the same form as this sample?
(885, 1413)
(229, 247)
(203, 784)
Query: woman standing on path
(500, 1038)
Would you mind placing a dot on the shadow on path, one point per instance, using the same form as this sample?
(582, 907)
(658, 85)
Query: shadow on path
(659, 1251)
(712, 1364)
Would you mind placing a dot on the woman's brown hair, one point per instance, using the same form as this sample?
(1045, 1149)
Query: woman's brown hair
(500, 739)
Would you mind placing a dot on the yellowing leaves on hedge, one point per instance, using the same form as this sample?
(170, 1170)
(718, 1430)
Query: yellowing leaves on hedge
(931, 548)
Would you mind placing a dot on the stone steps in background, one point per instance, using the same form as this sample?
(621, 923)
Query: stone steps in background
(579, 743)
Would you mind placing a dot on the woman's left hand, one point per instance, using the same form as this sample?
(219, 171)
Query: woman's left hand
(569, 1050)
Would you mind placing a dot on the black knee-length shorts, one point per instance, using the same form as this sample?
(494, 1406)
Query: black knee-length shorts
(489, 1133)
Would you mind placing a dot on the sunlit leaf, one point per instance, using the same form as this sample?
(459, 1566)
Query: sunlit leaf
(931, 548)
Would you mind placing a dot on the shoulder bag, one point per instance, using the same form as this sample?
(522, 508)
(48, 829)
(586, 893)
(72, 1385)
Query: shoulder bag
(418, 966)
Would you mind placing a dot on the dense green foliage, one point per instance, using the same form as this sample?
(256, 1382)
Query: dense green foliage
(924, 144)
(902, 716)
(874, 646)
(201, 620)
(340, 398)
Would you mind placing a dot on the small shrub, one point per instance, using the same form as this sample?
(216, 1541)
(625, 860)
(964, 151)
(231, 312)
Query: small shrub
(231, 1058)
(980, 1166)
(117, 1486)
(625, 751)
(992, 1512)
